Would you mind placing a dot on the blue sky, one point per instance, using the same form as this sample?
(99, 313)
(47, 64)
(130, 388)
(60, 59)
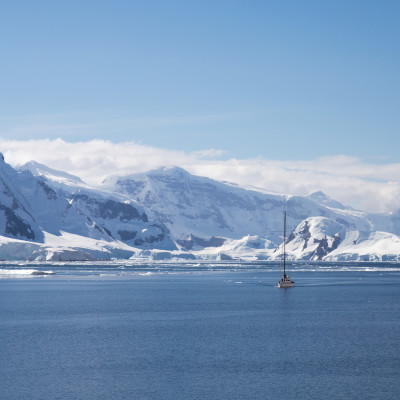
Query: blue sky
(273, 79)
(291, 96)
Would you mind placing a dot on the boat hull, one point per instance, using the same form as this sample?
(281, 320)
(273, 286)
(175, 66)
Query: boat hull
(285, 284)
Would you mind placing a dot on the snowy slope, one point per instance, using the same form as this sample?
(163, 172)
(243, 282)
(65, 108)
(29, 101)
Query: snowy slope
(314, 239)
(16, 216)
(54, 175)
(89, 212)
(198, 206)
(377, 246)
(214, 219)
(59, 213)
(47, 214)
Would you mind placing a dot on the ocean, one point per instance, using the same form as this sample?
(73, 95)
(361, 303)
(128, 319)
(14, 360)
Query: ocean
(199, 331)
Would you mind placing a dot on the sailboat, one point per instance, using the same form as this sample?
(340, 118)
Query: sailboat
(285, 281)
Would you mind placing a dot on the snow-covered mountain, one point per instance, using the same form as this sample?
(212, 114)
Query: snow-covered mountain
(193, 206)
(167, 213)
(49, 214)
(206, 216)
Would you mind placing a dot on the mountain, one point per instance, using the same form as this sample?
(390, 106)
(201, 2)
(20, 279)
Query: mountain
(323, 200)
(197, 207)
(16, 217)
(41, 170)
(207, 217)
(169, 213)
(319, 238)
(62, 218)
(193, 206)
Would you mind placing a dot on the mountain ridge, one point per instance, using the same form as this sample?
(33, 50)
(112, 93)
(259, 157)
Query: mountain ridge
(46, 212)
(170, 213)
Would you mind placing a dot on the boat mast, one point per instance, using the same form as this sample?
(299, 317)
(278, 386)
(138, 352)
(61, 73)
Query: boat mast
(284, 245)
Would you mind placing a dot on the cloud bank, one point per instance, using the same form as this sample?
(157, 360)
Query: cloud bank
(352, 181)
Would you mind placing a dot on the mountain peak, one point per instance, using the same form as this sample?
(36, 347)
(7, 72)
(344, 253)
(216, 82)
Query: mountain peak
(321, 198)
(172, 171)
(56, 213)
(162, 173)
(38, 169)
(318, 193)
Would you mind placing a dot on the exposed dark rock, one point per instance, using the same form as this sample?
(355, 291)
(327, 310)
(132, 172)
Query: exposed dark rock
(224, 257)
(50, 193)
(127, 235)
(108, 232)
(98, 228)
(15, 226)
(150, 239)
(192, 240)
(323, 248)
(305, 234)
(111, 209)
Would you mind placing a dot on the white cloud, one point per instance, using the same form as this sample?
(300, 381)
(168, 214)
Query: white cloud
(367, 186)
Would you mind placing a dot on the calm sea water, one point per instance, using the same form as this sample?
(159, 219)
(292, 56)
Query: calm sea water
(199, 332)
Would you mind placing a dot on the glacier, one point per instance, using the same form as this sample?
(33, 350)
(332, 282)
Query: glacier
(170, 214)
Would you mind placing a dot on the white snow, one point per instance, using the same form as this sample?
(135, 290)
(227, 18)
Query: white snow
(38, 169)
(69, 220)
(7, 273)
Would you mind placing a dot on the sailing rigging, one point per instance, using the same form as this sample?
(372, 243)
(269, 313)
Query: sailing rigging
(285, 281)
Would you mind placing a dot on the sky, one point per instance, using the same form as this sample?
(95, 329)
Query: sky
(291, 96)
